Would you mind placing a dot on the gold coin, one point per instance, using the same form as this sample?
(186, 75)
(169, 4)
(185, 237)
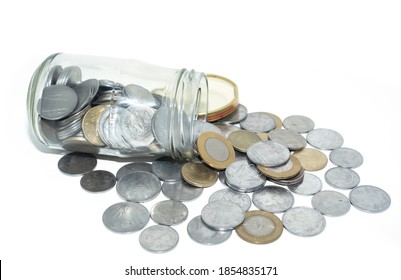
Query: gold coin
(242, 139)
(199, 175)
(264, 136)
(277, 120)
(260, 227)
(286, 171)
(90, 125)
(311, 159)
(215, 150)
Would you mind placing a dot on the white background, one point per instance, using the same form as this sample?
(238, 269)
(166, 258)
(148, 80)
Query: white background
(338, 62)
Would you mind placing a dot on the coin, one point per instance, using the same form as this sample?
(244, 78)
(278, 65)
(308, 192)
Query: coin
(79, 143)
(53, 75)
(369, 199)
(98, 180)
(290, 182)
(258, 122)
(298, 123)
(77, 163)
(70, 76)
(226, 129)
(222, 215)
(169, 212)
(139, 186)
(324, 139)
(138, 95)
(304, 221)
(242, 139)
(158, 238)
(126, 217)
(215, 150)
(236, 116)
(167, 169)
(331, 203)
(200, 127)
(241, 199)
(263, 136)
(311, 159)
(268, 153)
(346, 157)
(133, 166)
(85, 92)
(273, 199)
(90, 125)
(288, 170)
(160, 123)
(243, 176)
(203, 234)
(57, 102)
(277, 120)
(180, 191)
(342, 178)
(199, 175)
(260, 227)
(291, 139)
(310, 185)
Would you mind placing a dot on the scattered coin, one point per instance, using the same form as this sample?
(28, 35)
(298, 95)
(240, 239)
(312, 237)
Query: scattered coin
(268, 153)
(324, 139)
(369, 199)
(311, 159)
(258, 122)
(239, 114)
(286, 171)
(77, 163)
(201, 127)
(291, 139)
(167, 169)
(222, 215)
(298, 123)
(290, 182)
(215, 150)
(241, 199)
(180, 191)
(310, 185)
(273, 199)
(203, 234)
(346, 157)
(243, 176)
(331, 203)
(139, 186)
(158, 238)
(277, 120)
(342, 178)
(242, 139)
(226, 129)
(199, 175)
(169, 212)
(57, 102)
(304, 221)
(98, 180)
(132, 167)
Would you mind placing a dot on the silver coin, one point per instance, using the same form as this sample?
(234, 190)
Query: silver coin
(258, 122)
(160, 123)
(70, 76)
(180, 191)
(331, 203)
(77, 163)
(222, 215)
(304, 221)
(226, 129)
(110, 128)
(241, 199)
(85, 92)
(158, 238)
(273, 199)
(238, 115)
(370, 199)
(346, 157)
(132, 167)
(268, 153)
(98, 181)
(310, 185)
(201, 127)
(203, 234)
(244, 177)
(57, 102)
(139, 186)
(53, 75)
(167, 169)
(291, 139)
(169, 212)
(137, 95)
(324, 139)
(298, 123)
(342, 178)
(126, 217)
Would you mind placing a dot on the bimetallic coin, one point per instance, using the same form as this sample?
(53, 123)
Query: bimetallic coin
(239, 114)
(370, 199)
(158, 238)
(77, 163)
(304, 221)
(203, 234)
(310, 185)
(311, 159)
(126, 217)
(324, 139)
(199, 175)
(291, 139)
(139, 186)
(298, 123)
(342, 178)
(243, 176)
(222, 215)
(180, 191)
(258, 122)
(241, 199)
(331, 203)
(288, 170)
(98, 181)
(268, 153)
(169, 212)
(346, 157)
(273, 199)
(132, 167)
(167, 169)
(260, 227)
(215, 150)
(90, 125)
(242, 139)
(57, 102)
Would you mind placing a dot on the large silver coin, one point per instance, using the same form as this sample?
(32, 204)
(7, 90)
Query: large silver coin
(180, 191)
(346, 157)
(158, 238)
(167, 169)
(342, 178)
(132, 167)
(85, 92)
(304, 221)
(126, 217)
(53, 75)
(258, 122)
(244, 177)
(203, 234)
(57, 102)
(273, 199)
(331, 203)
(139, 186)
(239, 114)
(201, 127)
(298, 123)
(137, 95)
(169, 212)
(77, 163)
(268, 153)
(310, 185)
(324, 139)
(98, 181)
(370, 199)
(161, 126)
(70, 76)
(222, 215)
(241, 199)
(110, 128)
(291, 139)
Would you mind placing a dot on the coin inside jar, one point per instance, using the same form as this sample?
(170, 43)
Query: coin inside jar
(199, 175)
(215, 150)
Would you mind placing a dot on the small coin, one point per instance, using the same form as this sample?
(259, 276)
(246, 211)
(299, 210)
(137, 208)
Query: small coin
(268, 153)
(346, 157)
(258, 122)
(298, 123)
(98, 180)
(273, 199)
(199, 175)
(222, 215)
(203, 234)
(242, 139)
(304, 221)
(291, 139)
(331, 203)
(286, 171)
(260, 227)
(169, 212)
(369, 199)
(90, 125)
(241, 199)
(215, 150)
(132, 167)
(167, 169)
(324, 139)
(57, 102)
(236, 116)
(139, 186)
(180, 191)
(342, 178)
(311, 159)
(126, 217)
(77, 163)
(243, 176)
(158, 238)
(310, 185)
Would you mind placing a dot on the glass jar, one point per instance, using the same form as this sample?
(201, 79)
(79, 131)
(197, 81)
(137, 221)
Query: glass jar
(115, 107)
